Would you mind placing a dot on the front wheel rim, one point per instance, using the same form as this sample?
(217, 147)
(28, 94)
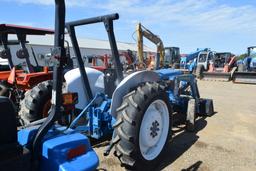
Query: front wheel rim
(154, 129)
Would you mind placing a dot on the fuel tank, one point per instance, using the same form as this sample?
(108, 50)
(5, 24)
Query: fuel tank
(75, 84)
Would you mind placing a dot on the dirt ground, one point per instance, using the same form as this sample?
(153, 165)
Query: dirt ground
(225, 141)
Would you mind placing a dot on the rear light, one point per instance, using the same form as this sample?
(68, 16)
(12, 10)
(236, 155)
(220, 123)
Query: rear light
(70, 99)
(75, 152)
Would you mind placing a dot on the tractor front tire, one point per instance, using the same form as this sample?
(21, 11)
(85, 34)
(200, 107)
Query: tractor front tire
(36, 103)
(143, 127)
(199, 71)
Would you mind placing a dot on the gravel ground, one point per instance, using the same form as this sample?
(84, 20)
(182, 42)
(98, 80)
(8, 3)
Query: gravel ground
(225, 141)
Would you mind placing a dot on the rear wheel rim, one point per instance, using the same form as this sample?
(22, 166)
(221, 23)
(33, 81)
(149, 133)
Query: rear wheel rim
(154, 129)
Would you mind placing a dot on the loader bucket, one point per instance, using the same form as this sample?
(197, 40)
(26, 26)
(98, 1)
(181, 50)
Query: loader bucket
(216, 76)
(244, 77)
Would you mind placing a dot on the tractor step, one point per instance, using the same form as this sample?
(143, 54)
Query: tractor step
(244, 77)
(216, 76)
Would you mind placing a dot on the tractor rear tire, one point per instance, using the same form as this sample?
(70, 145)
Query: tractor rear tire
(199, 71)
(36, 103)
(133, 118)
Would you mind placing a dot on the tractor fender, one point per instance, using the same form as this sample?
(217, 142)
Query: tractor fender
(129, 82)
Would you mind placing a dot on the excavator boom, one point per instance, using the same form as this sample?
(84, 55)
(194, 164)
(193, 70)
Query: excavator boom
(143, 32)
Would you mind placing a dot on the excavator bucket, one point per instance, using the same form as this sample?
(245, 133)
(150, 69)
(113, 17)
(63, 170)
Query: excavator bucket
(217, 76)
(244, 77)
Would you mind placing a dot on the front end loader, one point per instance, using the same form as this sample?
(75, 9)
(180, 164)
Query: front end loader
(220, 67)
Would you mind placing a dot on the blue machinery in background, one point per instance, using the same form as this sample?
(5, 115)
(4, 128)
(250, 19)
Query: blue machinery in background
(246, 68)
(189, 62)
(249, 62)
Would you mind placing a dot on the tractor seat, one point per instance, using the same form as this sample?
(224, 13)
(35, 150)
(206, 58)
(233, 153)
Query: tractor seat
(8, 128)
(12, 154)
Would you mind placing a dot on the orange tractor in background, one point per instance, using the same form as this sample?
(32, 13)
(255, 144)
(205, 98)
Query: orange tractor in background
(103, 62)
(17, 83)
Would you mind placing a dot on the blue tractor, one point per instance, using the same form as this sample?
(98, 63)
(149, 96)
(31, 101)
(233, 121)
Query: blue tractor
(246, 72)
(135, 109)
(45, 145)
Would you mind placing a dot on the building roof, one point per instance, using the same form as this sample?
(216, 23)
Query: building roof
(13, 29)
(85, 43)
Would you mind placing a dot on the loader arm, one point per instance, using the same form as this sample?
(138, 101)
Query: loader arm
(232, 61)
(143, 32)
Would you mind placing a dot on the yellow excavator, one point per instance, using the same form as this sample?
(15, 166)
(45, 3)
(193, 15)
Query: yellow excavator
(143, 32)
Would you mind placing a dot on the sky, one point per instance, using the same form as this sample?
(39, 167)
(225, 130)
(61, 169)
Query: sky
(222, 25)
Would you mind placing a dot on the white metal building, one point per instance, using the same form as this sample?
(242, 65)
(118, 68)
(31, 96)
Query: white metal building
(42, 47)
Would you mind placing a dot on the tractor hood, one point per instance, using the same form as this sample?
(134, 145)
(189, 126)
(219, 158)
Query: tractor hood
(168, 74)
